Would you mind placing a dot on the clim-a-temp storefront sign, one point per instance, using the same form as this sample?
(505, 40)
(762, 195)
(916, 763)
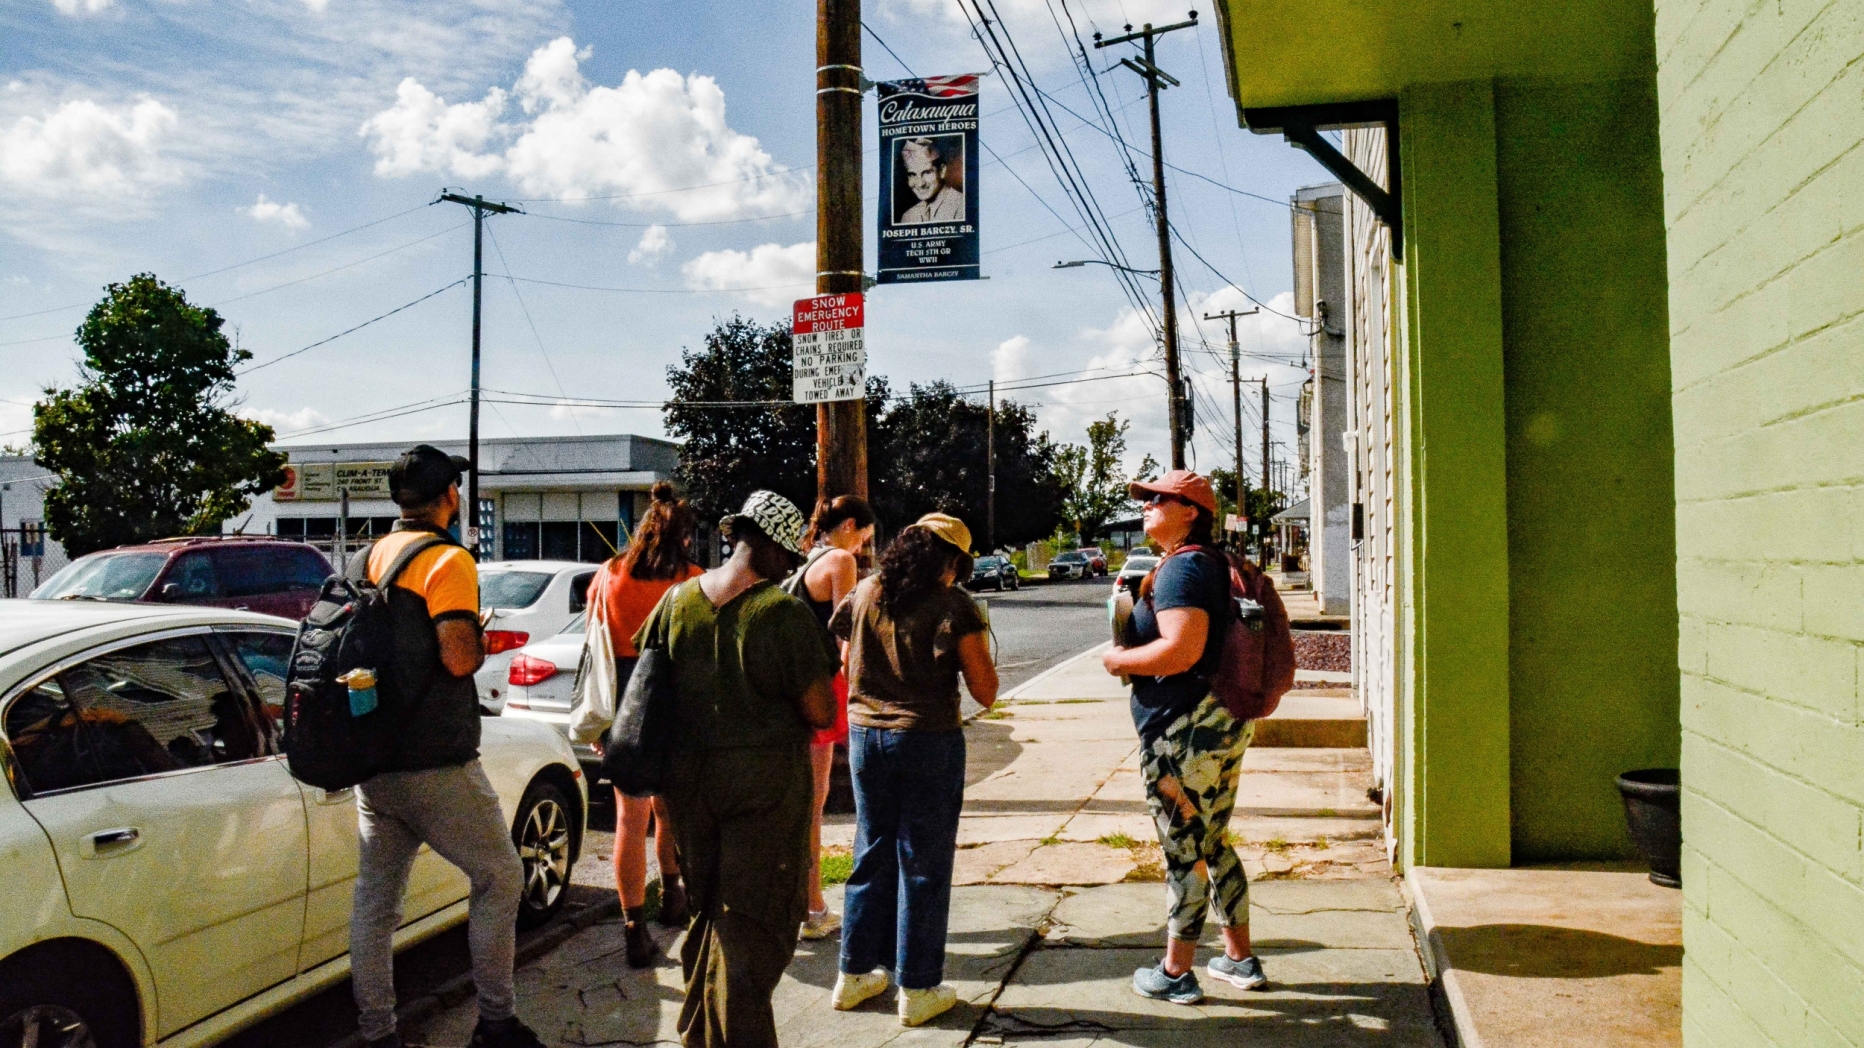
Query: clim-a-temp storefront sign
(928, 180)
(830, 354)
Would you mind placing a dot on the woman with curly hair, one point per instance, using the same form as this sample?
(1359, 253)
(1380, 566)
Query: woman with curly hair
(911, 634)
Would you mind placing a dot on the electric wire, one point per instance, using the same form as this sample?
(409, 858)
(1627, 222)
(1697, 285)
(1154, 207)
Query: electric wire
(346, 331)
(526, 310)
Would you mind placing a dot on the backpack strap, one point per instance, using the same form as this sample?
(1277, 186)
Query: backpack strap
(357, 570)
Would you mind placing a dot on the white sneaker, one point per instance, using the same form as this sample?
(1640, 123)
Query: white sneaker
(918, 1007)
(821, 924)
(851, 990)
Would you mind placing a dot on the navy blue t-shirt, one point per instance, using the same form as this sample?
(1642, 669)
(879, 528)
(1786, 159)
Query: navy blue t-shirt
(1188, 580)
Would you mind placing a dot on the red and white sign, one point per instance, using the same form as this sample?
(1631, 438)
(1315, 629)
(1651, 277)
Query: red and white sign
(830, 352)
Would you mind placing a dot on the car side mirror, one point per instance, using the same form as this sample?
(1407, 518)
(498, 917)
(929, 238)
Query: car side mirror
(171, 591)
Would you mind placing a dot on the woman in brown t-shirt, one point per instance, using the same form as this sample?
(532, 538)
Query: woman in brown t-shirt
(911, 633)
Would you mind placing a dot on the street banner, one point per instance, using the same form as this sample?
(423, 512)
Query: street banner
(830, 353)
(928, 179)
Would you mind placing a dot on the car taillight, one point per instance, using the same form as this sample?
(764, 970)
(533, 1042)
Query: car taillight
(527, 670)
(504, 640)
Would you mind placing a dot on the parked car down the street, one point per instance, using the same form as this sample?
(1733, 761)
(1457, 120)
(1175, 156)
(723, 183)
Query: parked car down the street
(529, 600)
(541, 682)
(1138, 564)
(997, 573)
(1096, 559)
(1071, 565)
(247, 573)
(167, 879)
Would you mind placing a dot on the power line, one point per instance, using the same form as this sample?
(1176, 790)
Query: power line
(526, 310)
(383, 414)
(346, 331)
(652, 290)
(236, 265)
(670, 225)
(338, 269)
(666, 192)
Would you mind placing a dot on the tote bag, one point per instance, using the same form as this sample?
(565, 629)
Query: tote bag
(597, 683)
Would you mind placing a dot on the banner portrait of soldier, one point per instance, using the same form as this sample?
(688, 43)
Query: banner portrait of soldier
(929, 180)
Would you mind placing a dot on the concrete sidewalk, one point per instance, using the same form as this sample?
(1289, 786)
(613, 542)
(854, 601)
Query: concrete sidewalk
(1058, 901)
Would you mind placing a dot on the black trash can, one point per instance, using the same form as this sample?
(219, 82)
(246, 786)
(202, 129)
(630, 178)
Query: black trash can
(1653, 810)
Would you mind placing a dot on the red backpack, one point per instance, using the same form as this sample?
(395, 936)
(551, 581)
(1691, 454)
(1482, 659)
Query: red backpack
(1257, 667)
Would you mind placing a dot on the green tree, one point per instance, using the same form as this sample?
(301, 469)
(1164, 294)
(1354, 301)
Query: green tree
(1093, 477)
(144, 447)
(727, 452)
(933, 453)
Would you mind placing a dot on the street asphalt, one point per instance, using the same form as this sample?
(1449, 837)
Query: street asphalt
(1034, 629)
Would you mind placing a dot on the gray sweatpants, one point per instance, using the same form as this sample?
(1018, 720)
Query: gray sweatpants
(455, 811)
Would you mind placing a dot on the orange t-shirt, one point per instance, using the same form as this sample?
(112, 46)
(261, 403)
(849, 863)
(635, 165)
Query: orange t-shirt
(444, 576)
(627, 601)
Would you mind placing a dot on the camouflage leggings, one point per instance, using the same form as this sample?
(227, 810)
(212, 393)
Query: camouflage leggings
(1191, 773)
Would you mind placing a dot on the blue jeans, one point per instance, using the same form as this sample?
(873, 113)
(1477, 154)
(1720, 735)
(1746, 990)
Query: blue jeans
(908, 791)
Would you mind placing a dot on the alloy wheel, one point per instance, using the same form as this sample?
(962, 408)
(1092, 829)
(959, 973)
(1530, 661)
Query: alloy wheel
(45, 1026)
(544, 848)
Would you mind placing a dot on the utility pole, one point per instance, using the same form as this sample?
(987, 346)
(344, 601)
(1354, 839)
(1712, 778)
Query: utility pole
(469, 516)
(841, 425)
(1236, 391)
(1262, 529)
(990, 489)
(1157, 80)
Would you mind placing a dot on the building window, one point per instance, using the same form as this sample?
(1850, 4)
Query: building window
(559, 540)
(521, 540)
(600, 540)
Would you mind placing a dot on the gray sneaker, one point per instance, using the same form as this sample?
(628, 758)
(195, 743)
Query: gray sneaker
(1245, 974)
(1155, 983)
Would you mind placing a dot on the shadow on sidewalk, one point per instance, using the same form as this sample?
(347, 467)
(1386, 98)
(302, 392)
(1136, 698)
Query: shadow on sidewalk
(1538, 951)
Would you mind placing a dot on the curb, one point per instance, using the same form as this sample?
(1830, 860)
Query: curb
(1016, 692)
(433, 1000)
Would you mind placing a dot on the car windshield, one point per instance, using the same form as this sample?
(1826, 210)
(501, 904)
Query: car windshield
(1140, 563)
(1070, 558)
(986, 563)
(512, 589)
(578, 624)
(104, 576)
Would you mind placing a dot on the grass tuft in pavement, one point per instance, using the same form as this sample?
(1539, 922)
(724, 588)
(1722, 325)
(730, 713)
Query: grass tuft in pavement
(837, 865)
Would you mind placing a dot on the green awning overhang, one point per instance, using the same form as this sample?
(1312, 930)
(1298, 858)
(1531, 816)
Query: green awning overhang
(1280, 53)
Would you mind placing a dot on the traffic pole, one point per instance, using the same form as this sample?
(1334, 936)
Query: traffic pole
(1236, 393)
(841, 425)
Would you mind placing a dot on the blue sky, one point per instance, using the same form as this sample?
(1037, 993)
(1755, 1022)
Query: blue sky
(190, 138)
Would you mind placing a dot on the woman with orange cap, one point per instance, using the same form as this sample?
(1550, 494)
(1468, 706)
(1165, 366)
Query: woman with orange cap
(911, 634)
(1191, 749)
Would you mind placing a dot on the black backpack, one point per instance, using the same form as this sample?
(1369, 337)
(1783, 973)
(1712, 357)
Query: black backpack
(348, 628)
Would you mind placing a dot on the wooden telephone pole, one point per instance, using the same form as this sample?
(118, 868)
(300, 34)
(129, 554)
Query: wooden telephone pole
(1262, 529)
(1157, 80)
(469, 515)
(841, 425)
(1236, 392)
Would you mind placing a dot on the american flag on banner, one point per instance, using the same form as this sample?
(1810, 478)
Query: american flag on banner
(942, 86)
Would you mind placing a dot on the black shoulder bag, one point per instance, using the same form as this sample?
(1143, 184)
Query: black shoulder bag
(637, 756)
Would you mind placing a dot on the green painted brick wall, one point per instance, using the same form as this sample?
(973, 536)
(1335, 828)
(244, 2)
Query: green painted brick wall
(1762, 116)
(1591, 553)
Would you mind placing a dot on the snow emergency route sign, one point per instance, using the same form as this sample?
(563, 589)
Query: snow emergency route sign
(830, 352)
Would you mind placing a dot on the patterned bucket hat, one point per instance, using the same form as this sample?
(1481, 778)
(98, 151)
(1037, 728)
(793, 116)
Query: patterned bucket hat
(775, 516)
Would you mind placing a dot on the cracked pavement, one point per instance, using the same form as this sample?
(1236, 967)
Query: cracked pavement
(1057, 904)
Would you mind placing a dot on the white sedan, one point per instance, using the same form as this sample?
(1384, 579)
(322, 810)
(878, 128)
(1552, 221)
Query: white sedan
(167, 881)
(542, 678)
(529, 600)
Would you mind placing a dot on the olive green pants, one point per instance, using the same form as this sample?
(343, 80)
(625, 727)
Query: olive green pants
(741, 819)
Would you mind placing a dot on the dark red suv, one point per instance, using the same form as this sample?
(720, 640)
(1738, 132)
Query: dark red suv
(253, 574)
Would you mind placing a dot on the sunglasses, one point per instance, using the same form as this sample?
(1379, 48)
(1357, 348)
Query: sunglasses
(1162, 499)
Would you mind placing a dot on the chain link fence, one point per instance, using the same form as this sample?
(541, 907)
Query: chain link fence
(27, 558)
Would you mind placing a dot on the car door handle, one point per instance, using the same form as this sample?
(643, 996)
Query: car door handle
(342, 796)
(109, 842)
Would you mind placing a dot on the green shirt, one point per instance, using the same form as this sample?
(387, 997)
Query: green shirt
(741, 669)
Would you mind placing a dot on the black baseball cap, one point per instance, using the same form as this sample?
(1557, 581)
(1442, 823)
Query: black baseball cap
(423, 473)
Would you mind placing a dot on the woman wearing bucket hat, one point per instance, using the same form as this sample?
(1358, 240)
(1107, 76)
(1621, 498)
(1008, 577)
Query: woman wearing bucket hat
(911, 634)
(1191, 749)
(752, 670)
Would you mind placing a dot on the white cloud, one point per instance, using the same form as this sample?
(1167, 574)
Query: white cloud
(421, 132)
(83, 149)
(73, 7)
(317, 6)
(286, 215)
(654, 245)
(771, 274)
(286, 421)
(651, 134)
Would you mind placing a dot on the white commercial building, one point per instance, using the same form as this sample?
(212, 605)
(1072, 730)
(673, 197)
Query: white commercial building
(552, 498)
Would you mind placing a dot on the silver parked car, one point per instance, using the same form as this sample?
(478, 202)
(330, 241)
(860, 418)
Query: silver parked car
(530, 600)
